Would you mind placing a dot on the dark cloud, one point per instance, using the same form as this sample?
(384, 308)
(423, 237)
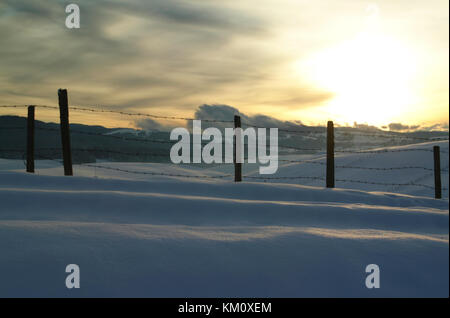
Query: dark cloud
(401, 127)
(365, 127)
(178, 54)
(226, 113)
(193, 13)
(436, 127)
(223, 114)
(412, 128)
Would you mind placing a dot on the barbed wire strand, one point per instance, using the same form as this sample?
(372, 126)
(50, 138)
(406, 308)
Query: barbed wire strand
(358, 167)
(360, 151)
(25, 106)
(396, 136)
(287, 130)
(114, 137)
(368, 151)
(345, 180)
(311, 161)
(280, 178)
(78, 108)
(157, 173)
(388, 184)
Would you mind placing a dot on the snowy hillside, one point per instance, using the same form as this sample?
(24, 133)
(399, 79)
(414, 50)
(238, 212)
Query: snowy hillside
(155, 236)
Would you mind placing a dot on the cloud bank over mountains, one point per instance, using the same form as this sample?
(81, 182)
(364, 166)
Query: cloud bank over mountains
(226, 113)
(219, 113)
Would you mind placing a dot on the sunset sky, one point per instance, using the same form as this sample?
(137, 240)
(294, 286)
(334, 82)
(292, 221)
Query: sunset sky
(350, 61)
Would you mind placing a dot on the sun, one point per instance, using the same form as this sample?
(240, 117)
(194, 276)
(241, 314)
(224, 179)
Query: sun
(370, 76)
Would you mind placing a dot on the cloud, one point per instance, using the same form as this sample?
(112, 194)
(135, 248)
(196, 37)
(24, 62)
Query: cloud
(216, 112)
(172, 55)
(411, 128)
(221, 116)
(165, 60)
(149, 124)
(143, 54)
(401, 127)
(226, 113)
(365, 127)
(436, 127)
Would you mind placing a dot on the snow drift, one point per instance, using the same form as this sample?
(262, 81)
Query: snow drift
(149, 236)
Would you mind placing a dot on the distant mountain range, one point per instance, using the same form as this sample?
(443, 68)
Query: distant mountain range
(93, 143)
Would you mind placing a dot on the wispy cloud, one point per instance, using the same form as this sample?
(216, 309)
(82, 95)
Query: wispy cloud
(136, 54)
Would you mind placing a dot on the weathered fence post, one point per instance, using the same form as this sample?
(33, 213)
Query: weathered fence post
(437, 173)
(65, 133)
(30, 139)
(330, 155)
(237, 150)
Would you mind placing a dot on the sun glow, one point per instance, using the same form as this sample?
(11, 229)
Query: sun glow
(370, 76)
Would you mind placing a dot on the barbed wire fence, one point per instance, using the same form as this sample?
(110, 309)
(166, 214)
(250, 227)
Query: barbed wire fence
(327, 150)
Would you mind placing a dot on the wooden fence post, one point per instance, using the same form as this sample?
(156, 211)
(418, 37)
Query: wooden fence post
(437, 173)
(30, 139)
(330, 155)
(236, 153)
(65, 133)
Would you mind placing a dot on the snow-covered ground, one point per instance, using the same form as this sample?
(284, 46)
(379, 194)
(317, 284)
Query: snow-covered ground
(160, 236)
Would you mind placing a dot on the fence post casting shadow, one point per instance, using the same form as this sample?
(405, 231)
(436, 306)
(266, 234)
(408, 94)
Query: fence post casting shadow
(65, 133)
(330, 155)
(237, 152)
(437, 173)
(30, 139)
